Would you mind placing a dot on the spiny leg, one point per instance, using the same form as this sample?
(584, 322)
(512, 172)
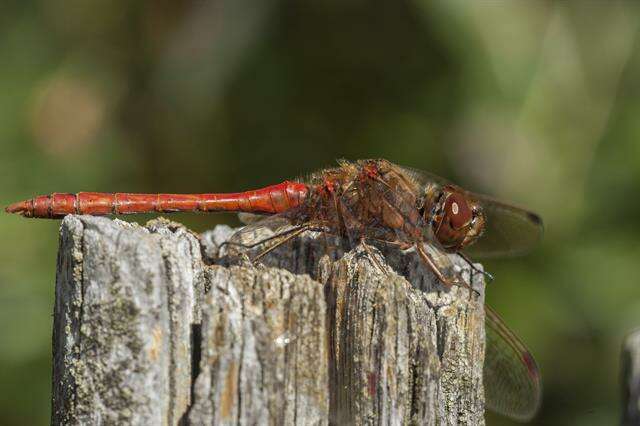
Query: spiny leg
(360, 237)
(446, 281)
(372, 256)
(262, 241)
(473, 267)
(401, 245)
(427, 259)
(329, 247)
(289, 237)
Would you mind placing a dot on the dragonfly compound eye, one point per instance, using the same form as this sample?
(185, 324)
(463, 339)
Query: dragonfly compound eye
(457, 211)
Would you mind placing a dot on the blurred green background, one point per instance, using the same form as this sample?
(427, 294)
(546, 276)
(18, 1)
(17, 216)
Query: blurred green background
(533, 102)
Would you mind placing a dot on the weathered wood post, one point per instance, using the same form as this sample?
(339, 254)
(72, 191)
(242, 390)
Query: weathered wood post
(151, 327)
(630, 376)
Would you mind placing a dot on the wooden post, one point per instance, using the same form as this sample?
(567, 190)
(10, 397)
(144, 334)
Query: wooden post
(152, 326)
(631, 379)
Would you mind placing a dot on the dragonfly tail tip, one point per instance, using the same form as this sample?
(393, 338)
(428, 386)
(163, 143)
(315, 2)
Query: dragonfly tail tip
(20, 208)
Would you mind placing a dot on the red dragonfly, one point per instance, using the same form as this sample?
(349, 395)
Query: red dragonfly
(368, 201)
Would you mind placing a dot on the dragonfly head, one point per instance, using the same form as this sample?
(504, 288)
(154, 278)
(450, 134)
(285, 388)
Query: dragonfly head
(455, 220)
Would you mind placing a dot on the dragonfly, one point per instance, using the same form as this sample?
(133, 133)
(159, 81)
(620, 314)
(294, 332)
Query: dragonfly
(363, 202)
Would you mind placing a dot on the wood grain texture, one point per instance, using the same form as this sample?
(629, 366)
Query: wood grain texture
(155, 325)
(126, 297)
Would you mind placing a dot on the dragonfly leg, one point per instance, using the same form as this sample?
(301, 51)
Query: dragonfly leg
(473, 267)
(330, 248)
(401, 245)
(262, 241)
(446, 281)
(374, 260)
(288, 237)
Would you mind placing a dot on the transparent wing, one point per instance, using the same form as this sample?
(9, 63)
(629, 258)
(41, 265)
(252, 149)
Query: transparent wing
(512, 383)
(249, 218)
(423, 178)
(261, 234)
(509, 231)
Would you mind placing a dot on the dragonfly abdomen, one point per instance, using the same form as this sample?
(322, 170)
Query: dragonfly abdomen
(269, 200)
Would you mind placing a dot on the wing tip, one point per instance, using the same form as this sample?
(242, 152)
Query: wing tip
(528, 360)
(535, 218)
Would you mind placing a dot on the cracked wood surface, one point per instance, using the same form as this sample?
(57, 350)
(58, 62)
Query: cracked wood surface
(154, 326)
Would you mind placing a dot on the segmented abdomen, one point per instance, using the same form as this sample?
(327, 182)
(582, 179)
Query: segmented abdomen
(269, 200)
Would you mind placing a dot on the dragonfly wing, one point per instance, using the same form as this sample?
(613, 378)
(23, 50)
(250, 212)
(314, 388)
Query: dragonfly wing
(512, 383)
(261, 233)
(249, 218)
(422, 177)
(509, 230)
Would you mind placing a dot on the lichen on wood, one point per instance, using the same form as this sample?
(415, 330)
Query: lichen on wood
(154, 326)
